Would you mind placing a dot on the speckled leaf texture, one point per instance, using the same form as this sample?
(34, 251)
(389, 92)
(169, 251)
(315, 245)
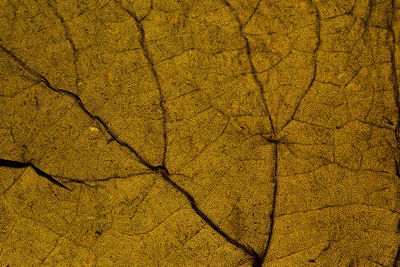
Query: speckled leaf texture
(200, 133)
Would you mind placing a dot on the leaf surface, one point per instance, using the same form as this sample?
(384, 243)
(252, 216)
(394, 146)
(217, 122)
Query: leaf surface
(200, 133)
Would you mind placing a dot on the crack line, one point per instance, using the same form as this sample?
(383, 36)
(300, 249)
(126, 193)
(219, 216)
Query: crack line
(78, 100)
(67, 33)
(258, 259)
(272, 215)
(21, 165)
(252, 67)
(245, 248)
(314, 75)
(153, 70)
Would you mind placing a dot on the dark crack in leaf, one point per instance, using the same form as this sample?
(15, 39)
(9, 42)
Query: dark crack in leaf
(200, 133)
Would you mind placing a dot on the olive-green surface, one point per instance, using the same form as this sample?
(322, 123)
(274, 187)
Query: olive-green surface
(275, 123)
